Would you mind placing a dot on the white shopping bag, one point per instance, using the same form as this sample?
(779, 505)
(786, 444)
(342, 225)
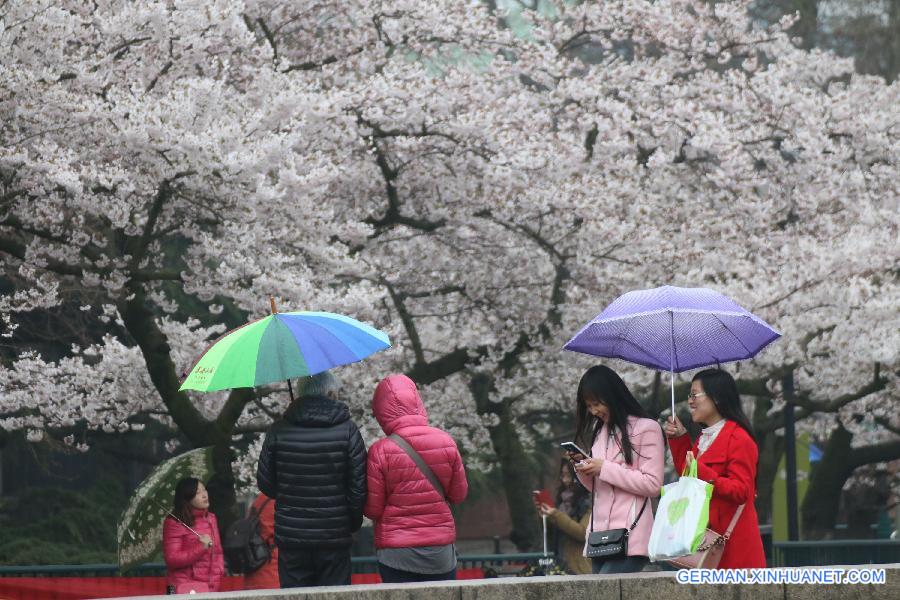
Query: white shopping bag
(681, 517)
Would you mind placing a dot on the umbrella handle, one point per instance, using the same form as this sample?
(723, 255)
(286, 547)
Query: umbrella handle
(672, 380)
(544, 519)
(171, 514)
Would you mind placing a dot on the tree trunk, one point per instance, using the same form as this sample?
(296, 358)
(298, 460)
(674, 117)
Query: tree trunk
(141, 324)
(519, 478)
(222, 498)
(820, 507)
(892, 52)
(808, 24)
(771, 448)
(838, 462)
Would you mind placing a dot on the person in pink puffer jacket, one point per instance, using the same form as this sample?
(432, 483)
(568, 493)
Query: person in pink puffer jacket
(194, 559)
(414, 529)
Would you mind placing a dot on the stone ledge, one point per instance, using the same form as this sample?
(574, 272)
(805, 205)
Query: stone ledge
(633, 586)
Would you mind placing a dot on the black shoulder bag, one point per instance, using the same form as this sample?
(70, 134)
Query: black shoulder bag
(611, 543)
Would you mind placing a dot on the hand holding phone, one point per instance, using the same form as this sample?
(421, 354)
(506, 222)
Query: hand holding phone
(573, 449)
(542, 497)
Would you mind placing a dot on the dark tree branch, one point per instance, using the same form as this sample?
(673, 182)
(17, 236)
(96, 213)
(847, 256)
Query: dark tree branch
(164, 275)
(231, 412)
(137, 247)
(408, 322)
(448, 364)
(393, 216)
(809, 407)
(888, 425)
(162, 72)
(121, 49)
(866, 455)
(442, 291)
(314, 65)
(269, 37)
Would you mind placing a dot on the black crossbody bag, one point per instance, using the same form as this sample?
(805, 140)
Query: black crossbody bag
(611, 543)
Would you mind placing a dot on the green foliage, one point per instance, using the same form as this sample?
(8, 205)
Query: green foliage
(43, 526)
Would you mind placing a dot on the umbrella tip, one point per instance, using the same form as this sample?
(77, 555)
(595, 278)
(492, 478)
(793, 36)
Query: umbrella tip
(272, 303)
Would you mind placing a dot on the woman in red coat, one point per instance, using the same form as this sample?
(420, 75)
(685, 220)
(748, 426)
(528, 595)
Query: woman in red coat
(191, 546)
(726, 455)
(414, 529)
(265, 577)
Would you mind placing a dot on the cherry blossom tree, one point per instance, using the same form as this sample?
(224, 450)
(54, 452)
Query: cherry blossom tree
(477, 182)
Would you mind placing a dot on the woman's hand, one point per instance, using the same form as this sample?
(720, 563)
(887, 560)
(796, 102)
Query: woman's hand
(688, 460)
(674, 428)
(206, 541)
(575, 457)
(589, 467)
(546, 509)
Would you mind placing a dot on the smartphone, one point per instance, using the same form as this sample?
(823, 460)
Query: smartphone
(543, 497)
(571, 447)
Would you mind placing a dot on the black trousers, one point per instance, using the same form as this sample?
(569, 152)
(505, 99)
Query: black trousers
(392, 575)
(313, 566)
(629, 564)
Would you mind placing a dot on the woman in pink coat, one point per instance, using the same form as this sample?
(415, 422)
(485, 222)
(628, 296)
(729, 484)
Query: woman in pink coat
(625, 469)
(414, 529)
(194, 559)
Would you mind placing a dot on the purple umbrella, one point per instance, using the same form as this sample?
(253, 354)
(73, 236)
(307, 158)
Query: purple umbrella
(674, 329)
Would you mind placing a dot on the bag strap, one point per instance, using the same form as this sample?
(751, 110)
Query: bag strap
(258, 511)
(420, 462)
(643, 506)
(734, 520)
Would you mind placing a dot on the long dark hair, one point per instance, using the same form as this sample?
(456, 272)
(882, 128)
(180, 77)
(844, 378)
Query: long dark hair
(580, 501)
(721, 388)
(185, 491)
(603, 384)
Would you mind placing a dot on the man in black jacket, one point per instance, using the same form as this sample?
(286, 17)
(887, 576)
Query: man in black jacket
(313, 463)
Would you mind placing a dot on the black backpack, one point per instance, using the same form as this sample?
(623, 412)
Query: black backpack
(244, 547)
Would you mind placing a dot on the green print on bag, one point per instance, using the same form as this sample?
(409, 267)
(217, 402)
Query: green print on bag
(678, 508)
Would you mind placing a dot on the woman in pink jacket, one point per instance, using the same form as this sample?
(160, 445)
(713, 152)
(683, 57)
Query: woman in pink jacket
(414, 529)
(194, 559)
(625, 469)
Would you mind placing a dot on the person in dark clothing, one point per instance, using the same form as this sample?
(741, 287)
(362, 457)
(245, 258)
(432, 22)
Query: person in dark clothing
(313, 463)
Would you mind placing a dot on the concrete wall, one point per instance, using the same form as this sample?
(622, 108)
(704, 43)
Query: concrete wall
(638, 586)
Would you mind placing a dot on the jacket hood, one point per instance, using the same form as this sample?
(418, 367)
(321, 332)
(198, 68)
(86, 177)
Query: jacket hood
(397, 404)
(317, 411)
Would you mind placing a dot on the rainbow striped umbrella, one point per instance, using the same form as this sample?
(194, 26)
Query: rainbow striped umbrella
(283, 346)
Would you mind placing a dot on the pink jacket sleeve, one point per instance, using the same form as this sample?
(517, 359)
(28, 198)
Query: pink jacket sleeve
(376, 497)
(459, 485)
(645, 477)
(175, 554)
